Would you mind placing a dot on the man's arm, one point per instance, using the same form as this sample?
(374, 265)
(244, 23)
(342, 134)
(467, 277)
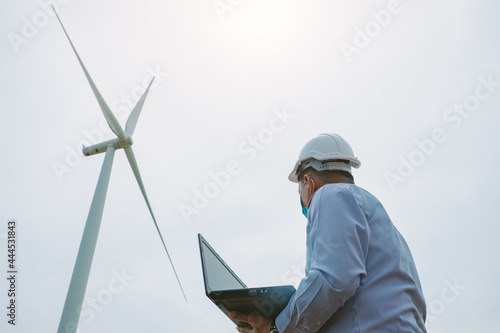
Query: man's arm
(338, 237)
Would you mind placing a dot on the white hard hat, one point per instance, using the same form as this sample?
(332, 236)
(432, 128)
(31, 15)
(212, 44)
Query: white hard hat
(322, 153)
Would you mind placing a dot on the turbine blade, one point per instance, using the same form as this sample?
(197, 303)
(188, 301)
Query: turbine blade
(110, 118)
(133, 163)
(134, 115)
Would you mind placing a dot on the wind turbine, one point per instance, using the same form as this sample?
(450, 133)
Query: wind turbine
(76, 292)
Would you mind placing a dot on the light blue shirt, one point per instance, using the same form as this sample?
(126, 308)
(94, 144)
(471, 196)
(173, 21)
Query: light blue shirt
(360, 275)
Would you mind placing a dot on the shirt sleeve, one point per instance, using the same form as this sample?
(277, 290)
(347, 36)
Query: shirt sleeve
(337, 246)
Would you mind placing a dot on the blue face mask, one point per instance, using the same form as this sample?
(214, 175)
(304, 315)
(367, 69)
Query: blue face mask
(305, 210)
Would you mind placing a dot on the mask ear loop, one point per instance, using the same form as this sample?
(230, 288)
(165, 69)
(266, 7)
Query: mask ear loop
(305, 209)
(300, 197)
(310, 199)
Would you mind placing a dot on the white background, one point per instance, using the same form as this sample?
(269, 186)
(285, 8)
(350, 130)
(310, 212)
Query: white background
(221, 76)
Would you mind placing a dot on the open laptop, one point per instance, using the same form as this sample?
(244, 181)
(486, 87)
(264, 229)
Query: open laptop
(229, 293)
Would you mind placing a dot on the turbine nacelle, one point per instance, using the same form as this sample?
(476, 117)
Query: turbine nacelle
(101, 147)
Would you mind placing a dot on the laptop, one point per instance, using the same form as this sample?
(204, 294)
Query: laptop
(228, 292)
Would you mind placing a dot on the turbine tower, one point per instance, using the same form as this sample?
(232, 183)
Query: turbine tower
(76, 292)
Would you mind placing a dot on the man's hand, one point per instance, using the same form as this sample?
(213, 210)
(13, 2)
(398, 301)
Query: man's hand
(259, 324)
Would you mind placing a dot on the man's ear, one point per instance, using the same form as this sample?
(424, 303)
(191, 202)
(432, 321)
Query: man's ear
(306, 179)
(313, 180)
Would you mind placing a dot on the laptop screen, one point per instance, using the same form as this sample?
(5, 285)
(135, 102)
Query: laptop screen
(216, 273)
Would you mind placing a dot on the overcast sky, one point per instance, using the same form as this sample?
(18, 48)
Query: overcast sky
(241, 85)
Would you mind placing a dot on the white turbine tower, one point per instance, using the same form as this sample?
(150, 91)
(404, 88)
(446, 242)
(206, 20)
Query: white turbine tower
(76, 292)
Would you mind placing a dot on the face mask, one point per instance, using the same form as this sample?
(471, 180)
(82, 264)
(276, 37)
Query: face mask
(305, 210)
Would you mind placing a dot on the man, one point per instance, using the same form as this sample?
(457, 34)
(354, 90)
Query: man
(360, 275)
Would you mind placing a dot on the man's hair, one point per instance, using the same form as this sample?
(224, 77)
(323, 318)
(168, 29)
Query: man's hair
(326, 176)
